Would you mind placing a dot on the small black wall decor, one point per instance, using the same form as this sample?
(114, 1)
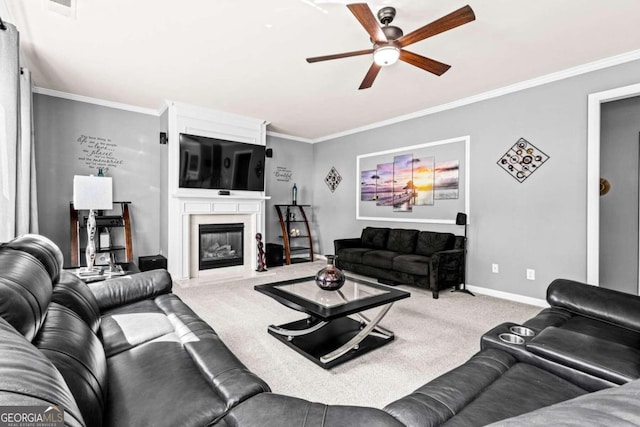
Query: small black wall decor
(333, 179)
(522, 160)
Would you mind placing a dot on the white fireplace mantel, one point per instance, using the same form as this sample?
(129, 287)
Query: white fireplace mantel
(183, 203)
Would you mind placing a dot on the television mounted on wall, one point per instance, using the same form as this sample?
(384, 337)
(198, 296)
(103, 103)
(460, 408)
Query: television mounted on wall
(213, 163)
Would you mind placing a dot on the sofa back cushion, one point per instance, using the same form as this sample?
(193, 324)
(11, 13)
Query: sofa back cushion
(77, 353)
(402, 241)
(74, 294)
(25, 291)
(374, 238)
(29, 378)
(47, 252)
(430, 242)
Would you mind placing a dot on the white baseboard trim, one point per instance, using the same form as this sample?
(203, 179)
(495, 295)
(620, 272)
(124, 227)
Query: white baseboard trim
(508, 296)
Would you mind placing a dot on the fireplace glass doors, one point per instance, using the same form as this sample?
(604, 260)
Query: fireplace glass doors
(220, 245)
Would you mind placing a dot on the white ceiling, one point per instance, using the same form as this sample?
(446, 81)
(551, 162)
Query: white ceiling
(248, 56)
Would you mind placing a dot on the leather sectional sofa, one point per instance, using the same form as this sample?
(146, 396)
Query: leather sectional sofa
(396, 256)
(127, 352)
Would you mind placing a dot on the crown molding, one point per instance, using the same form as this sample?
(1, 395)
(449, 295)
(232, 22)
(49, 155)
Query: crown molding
(96, 101)
(291, 137)
(516, 87)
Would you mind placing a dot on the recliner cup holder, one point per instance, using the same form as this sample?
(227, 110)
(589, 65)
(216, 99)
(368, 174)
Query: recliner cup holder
(511, 339)
(522, 331)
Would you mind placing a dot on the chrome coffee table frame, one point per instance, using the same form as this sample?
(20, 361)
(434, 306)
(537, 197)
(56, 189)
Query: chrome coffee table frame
(328, 336)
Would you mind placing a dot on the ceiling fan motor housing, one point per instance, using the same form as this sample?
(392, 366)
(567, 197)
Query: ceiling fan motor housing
(385, 16)
(392, 33)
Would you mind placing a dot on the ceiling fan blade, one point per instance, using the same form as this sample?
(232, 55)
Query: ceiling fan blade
(454, 19)
(427, 64)
(363, 14)
(371, 76)
(339, 55)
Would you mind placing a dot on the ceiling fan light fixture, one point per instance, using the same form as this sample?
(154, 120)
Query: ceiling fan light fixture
(386, 55)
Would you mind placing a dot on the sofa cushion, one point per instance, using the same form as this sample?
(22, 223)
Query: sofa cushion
(190, 363)
(375, 238)
(133, 324)
(402, 241)
(76, 351)
(128, 289)
(25, 291)
(616, 406)
(612, 306)
(275, 410)
(412, 264)
(380, 259)
(47, 252)
(74, 294)
(606, 359)
(28, 378)
(352, 254)
(430, 242)
(491, 386)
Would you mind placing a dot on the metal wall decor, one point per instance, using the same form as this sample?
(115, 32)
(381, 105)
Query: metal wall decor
(522, 160)
(333, 179)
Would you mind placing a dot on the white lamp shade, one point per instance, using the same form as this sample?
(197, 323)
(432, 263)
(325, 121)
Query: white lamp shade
(386, 55)
(92, 192)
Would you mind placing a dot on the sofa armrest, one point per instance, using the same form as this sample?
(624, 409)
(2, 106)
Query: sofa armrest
(446, 269)
(128, 289)
(275, 410)
(346, 243)
(607, 305)
(609, 360)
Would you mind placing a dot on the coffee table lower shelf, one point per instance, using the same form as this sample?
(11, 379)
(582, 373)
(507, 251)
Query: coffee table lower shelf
(328, 338)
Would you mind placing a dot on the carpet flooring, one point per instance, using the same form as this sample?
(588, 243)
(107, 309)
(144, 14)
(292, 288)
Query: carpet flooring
(431, 337)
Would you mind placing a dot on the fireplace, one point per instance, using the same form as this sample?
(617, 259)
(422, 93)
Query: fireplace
(220, 245)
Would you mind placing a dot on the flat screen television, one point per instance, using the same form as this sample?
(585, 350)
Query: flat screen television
(220, 164)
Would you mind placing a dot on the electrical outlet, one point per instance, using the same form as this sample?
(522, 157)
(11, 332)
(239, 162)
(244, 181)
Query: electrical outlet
(531, 274)
(495, 268)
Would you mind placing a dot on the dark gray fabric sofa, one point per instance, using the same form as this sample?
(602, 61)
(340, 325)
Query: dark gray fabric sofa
(394, 256)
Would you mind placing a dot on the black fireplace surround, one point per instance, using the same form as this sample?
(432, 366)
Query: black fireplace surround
(128, 352)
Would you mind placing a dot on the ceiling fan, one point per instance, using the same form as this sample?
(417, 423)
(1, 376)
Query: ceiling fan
(389, 41)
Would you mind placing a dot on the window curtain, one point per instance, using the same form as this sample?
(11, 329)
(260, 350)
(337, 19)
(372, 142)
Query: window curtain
(18, 199)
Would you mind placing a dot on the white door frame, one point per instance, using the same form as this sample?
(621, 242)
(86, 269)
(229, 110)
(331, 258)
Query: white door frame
(593, 174)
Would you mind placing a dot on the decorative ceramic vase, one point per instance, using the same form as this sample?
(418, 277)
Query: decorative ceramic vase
(330, 278)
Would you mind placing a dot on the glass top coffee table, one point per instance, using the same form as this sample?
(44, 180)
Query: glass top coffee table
(328, 336)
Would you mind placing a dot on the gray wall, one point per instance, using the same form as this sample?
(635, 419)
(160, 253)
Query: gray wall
(539, 224)
(58, 125)
(164, 179)
(296, 158)
(620, 121)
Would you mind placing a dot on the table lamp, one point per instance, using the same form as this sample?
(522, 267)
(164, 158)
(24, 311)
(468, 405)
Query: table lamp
(92, 192)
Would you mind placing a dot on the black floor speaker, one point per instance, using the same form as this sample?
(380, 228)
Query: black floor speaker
(153, 262)
(274, 255)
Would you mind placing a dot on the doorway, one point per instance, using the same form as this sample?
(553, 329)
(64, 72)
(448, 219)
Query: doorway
(593, 181)
(619, 167)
